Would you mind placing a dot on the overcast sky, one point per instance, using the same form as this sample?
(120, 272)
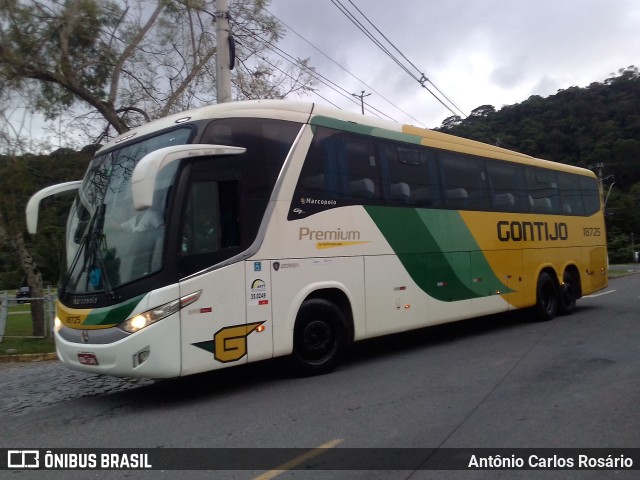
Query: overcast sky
(478, 52)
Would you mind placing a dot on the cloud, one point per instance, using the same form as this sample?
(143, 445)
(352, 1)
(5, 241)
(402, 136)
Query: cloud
(477, 52)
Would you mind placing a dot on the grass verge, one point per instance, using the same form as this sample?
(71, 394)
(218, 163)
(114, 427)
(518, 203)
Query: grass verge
(21, 345)
(17, 331)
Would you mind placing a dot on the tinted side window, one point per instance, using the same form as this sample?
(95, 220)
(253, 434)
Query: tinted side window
(508, 192)
(464, 181)
(361, 170)
(343, 169)
(410, 174)
(570, 194)
(542, 186)
(590, 195)
(225, 197)
(211, 220)
(340, 166)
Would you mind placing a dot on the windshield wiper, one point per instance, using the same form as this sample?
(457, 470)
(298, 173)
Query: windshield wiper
(90, 244)
(98, 274)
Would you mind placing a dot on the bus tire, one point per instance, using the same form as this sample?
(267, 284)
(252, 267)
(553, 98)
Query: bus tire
(319, 337)
(547, 298)
(568, 294)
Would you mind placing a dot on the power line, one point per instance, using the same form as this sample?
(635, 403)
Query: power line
(321, 78)
(422, 79)
(369, 35)
(346, 70)
(276, 67)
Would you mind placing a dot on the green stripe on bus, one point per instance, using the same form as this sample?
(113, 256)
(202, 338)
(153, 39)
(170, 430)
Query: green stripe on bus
(438, 251)
(112, 315)
(320, 121)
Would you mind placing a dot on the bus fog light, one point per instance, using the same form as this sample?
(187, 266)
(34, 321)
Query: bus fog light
(141, 357)
(57, 324)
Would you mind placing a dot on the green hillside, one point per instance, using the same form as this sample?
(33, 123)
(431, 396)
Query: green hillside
(596, 127)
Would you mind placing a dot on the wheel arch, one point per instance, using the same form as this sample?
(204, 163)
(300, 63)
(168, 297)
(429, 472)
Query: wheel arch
(334, 292)
(321, 333)
(572, 269)
(338, 297)
(552, 271)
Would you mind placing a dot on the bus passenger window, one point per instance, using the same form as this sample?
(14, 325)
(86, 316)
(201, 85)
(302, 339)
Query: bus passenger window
(590, 195)
(542, 185)
(340, 165)
(465, 181)
(319, 177)
(571, 194)
(361, 168)
(508, 188)
(408, 174)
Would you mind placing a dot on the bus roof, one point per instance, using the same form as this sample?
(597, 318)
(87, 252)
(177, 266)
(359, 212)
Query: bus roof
(307, 112)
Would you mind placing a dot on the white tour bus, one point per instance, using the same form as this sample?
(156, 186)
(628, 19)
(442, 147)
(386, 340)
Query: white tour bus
(245, 231)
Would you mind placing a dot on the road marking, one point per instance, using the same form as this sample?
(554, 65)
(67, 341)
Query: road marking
(599, 294)
(285, 467)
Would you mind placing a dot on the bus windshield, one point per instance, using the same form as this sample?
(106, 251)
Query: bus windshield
(108, 242)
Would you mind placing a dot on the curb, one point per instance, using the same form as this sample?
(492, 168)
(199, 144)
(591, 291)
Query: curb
(29, 357)
(624, 274)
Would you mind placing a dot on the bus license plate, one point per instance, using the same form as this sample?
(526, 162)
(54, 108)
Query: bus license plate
(87, 359)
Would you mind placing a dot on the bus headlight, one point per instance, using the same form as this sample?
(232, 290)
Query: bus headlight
(144, 319)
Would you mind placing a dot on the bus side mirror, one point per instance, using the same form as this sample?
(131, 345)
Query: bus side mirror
(143, 180)
(33, 205)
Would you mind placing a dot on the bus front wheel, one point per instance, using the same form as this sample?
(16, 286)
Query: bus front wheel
(547, 298)
(319, 337)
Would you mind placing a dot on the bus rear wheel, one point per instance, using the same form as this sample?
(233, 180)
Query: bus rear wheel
(568, 294)
(547, 298)
(319, 337)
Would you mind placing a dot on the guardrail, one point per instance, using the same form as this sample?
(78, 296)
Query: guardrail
(49, 311)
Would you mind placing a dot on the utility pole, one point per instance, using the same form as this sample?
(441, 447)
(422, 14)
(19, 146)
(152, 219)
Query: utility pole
(361, 97)
(223, 71)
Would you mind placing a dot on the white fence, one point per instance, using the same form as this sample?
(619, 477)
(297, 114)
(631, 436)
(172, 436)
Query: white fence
(7, 300)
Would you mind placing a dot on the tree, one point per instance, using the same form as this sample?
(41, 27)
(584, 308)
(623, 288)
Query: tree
(109, 65)
(450, 122)
(483, 111)
(29, 259)
(127, 62)
(13, 178)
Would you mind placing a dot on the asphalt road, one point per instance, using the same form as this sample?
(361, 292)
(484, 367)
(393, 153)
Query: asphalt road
(494, 382)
